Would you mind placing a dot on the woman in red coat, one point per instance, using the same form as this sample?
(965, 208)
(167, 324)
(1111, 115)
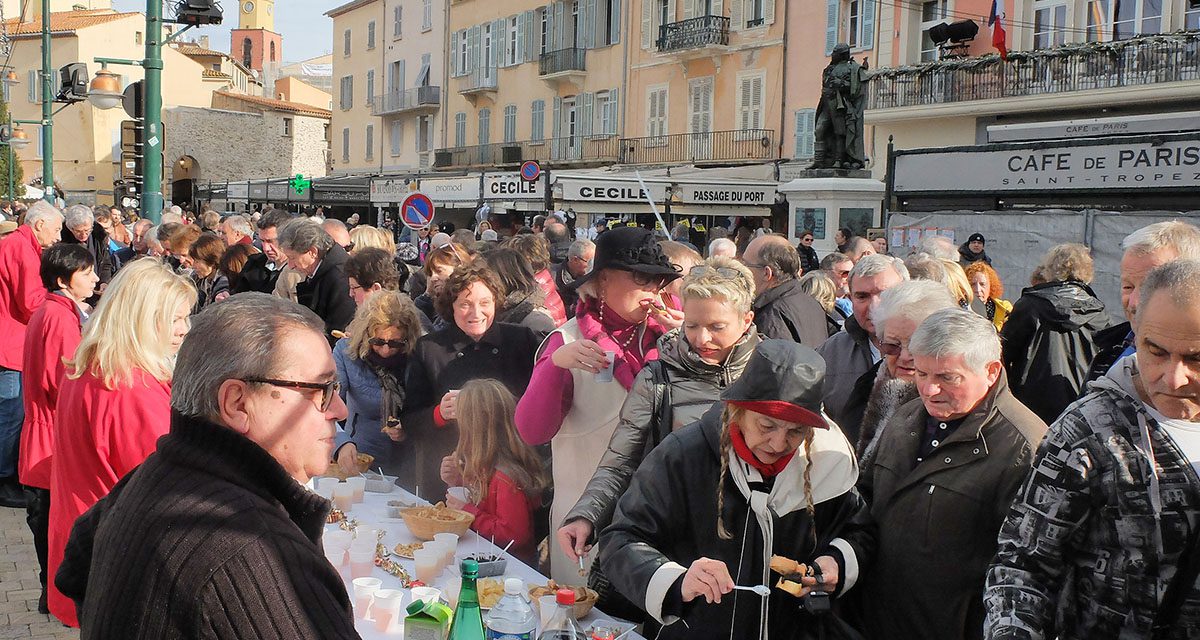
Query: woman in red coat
(68, 273)
(115, 400)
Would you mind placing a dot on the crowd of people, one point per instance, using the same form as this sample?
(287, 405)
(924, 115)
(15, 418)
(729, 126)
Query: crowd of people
(900, 450)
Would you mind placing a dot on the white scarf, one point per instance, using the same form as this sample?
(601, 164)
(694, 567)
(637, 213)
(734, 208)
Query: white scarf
(834, 472)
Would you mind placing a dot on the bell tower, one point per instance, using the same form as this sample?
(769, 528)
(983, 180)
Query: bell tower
(257, 14)
(254, 43)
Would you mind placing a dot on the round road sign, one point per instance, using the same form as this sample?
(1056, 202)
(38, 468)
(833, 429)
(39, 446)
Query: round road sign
(530, 170)
(416, 212)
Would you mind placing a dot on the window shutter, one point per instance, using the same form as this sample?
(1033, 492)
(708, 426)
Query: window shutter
(717, 8)
(647, 22)
(737, 19)
(689, 9)
(587, 114)
(614, 21)
(663, 115)
(743, 100)
(401, 75)
(600, 27)
(769, 12)
(804, 133)
(756, 101)
(453, 55)
(556, 118)
(614, 105)
(499, 29)
(831, 25)
(34, 85)
(560, 26)
(587, 36)
(672, 16)
(868, 26)
(651, 112)
(370, 85)
(531, 37)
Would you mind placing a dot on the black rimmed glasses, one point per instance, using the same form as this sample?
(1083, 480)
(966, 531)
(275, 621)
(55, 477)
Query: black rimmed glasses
(328, 389)
(394, 344)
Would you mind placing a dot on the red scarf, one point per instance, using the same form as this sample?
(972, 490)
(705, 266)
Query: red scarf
(631, 359)
(747, 456)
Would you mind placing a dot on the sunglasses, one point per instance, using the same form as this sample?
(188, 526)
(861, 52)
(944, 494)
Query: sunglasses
(703, 269)
(328, 389)
(394, 344)
(890, 348)
(643, 279)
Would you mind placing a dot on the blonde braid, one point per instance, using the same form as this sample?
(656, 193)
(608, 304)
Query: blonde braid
(808, 464)
(726, 445)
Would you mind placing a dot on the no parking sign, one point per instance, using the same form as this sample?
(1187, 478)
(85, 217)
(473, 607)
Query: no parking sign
(416, 212)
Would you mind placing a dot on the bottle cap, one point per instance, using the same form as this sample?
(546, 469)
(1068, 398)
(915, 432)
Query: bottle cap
(565, 596)
(470, 568)
(514, 586)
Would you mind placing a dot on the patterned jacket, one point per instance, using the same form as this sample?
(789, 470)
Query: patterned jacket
(1095, 535)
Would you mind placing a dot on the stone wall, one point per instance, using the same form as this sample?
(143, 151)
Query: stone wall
(233, 145)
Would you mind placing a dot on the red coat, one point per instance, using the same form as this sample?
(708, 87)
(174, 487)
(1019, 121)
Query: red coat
(554, 303)
(100, 435)
(21, 292)
(505, 514)
(53, 333)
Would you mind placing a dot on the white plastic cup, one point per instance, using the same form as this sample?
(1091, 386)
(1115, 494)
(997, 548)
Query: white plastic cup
(337, 543)
(325, 484)
(449, 542)
(459, 493)
(364, 591)
(606, 374)
(386, 607)
(546, 607)
(426, 594)
(367, 531)
(426, 560)
(359, 485)
(439, 549)
(343, 496)
(362, 562)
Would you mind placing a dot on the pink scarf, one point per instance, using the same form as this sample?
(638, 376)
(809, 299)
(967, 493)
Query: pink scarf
(615, 331)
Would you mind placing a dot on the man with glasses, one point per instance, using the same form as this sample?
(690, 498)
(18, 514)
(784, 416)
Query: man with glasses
(782, 309)
(808, 255)
(219, 514)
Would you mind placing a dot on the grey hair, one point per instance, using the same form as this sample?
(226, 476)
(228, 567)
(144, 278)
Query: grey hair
(302, 234)
(832, 259)
(1180, 278)
(1068, 261)
(876, 264)
(722, 244)
(243, 337)
(42, 210)
(957, 332)
(922, 266)
(781, 257)
(580, 247)
(914, 301)
(79, 214)
(939, 247)
(240, 224)
(1181, 237)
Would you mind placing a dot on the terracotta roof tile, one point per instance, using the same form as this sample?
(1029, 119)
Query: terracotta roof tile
(192, 49)
(280, 105)
(63, 22)
(209, 73)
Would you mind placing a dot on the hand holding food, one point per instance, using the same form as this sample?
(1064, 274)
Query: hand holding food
(573, 537)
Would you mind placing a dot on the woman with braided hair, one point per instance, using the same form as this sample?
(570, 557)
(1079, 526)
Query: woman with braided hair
(764, 473)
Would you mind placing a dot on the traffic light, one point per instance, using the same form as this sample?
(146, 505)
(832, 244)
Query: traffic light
(198, 12)
(73, 86)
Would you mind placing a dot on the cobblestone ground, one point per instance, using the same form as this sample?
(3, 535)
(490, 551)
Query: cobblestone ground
(19, 588)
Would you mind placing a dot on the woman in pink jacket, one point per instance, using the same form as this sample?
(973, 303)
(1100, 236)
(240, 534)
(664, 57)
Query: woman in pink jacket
(68, 273)
(114, 402)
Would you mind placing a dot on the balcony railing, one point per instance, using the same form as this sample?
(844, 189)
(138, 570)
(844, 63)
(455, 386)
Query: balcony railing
(407, 100)
(694, 33)
(714, 146)
(1148, 60)
(746, 145)
(562, 61)
(478, 80)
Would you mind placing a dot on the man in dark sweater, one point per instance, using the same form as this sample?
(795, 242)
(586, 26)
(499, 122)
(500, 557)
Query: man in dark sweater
(214, 535)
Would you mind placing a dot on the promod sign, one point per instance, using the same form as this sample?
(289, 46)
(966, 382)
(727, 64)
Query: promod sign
(511, 186)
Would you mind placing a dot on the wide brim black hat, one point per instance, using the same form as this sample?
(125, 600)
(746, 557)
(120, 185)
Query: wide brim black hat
(630, 249)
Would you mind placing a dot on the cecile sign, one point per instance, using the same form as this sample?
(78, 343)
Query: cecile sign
(511, 186)
(612, 191)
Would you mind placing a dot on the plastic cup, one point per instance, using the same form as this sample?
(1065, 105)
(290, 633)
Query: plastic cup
(459, 493)
(606, 374)
(426, 594)
(325, 483)
(449, 542)
(364, 591)
(369, 532)
(426, 563)
(343, 496)
(546, 607)
(359, 485)
(439, 551)
(386, 607)
(362, 562)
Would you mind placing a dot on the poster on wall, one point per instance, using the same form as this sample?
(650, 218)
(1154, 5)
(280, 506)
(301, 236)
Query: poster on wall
(810, 220)
(914, 237)
(897, 239)
(947, 233)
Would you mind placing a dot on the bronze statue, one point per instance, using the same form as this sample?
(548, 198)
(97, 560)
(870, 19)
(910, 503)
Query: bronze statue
(839, 121)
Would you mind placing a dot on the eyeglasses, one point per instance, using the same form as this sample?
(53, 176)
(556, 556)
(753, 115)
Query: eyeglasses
(348, 247)
(394, 344)
(643, 279)
(702, 269)
(328, 389)
(890, 348)
(751, 265)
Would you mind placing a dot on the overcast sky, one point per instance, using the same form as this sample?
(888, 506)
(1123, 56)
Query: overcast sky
(307, 33)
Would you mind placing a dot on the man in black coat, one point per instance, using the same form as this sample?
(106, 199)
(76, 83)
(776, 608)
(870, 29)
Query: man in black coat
(782, 309)
(808, 255)
(325, 289)
(262, 269)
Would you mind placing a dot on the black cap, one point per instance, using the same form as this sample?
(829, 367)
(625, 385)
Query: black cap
(781, 370)
(976, 237)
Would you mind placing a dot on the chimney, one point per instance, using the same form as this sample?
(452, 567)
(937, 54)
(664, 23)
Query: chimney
(204, 42)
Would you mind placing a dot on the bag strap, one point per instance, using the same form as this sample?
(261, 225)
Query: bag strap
(1180, 587)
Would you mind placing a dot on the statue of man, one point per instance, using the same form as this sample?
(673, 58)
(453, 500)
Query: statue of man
(839, 122)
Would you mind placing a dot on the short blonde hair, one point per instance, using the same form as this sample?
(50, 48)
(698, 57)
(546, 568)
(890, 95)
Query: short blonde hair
(380, 310)
(720, 277)
(821, 287)
(1068, 261)
(365, 236)
(131, 328)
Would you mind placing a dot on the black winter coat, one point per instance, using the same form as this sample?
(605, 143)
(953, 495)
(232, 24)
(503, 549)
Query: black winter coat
(327, 292)
(669, 514)
(97, 245)
(786, 312)
(446, 360)
(1110, 344)
(256, 276)
(1049, 341)
(808, 259)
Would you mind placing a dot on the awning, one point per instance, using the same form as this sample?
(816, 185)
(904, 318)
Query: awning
(718, 211)
(610, 209)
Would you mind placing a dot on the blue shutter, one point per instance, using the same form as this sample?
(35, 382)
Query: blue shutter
(831, 25)
(454, 54)
(805, 124)
(868, 39)
(587, 114)
(614, 101)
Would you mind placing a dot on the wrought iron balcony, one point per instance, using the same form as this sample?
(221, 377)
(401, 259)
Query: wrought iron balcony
(480, 80)
(744, 145)
(1144, 61)
(562, 62)
(694, 33)
(414, 99)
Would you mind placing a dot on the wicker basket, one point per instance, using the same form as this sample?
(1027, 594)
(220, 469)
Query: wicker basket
(583, 606)
(424, 527)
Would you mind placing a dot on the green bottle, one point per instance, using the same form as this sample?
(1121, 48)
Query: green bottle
(468, 620)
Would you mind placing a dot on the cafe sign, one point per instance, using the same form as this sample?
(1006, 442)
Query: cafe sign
(511, 186)
(612, 191)
(716, 194)
(1173, 164)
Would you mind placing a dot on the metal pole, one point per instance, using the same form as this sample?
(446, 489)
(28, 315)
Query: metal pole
(152, 163)
(47, 109)
(11, 195)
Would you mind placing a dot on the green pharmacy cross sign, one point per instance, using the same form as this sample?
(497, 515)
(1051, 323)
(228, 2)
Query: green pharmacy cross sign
(300, 183)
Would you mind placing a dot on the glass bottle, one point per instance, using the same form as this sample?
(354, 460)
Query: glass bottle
(468, 619)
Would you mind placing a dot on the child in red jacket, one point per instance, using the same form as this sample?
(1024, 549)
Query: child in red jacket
(503, 476)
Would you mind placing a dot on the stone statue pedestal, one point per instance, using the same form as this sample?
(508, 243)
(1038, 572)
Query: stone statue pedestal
(823, 200)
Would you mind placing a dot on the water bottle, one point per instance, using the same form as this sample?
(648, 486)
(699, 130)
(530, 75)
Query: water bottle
(563, 626)
(512, 618)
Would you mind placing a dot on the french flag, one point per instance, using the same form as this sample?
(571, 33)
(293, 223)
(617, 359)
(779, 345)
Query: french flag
(996, 22)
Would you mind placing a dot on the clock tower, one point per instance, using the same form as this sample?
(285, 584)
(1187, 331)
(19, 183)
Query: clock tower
(254, 43)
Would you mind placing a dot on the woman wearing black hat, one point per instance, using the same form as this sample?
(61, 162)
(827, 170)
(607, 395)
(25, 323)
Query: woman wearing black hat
(575, 395)
(760, 475)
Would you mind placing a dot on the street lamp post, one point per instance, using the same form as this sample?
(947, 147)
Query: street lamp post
(152, 196)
